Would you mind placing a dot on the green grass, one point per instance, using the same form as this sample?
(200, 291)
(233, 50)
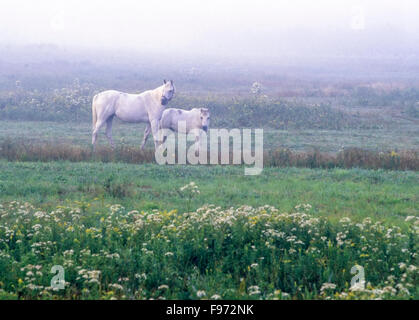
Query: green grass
(210, 253)
(398, 137)
(151, 249)
(387, 195)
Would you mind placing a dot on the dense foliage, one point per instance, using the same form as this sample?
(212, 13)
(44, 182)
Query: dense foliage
(211, 253)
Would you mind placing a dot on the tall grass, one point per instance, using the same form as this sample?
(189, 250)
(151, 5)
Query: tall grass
(348, 158)
(20, 150)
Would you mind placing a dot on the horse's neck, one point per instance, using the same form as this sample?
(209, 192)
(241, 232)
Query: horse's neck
(158, 92)
(155, 94)
(194, 113)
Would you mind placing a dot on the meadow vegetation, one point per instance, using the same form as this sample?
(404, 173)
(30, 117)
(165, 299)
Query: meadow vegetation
(390, 196)
(208, 253)
(339, 187)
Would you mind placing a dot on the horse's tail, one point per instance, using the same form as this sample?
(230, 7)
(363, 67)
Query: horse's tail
(94, 115)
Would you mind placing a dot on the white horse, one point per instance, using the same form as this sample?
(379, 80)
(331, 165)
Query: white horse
(145, 107)
(184, 121)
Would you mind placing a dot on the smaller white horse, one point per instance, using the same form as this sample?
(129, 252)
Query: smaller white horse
(184, 121)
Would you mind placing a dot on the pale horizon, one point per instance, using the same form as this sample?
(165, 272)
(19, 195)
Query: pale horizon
(246, 28)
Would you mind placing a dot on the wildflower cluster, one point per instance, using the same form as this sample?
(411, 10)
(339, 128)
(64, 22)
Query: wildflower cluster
(209, 253)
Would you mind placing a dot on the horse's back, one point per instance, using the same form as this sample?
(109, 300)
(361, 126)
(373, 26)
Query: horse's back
(106, 97)
(171, 117)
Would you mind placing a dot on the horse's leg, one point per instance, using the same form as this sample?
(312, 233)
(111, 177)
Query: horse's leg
(164, 139)
(155, 130)
(109, 131)
(146, 134)
(98, 125)
(197, 143)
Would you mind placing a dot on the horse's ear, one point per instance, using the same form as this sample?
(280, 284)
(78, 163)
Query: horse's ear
(164, 81)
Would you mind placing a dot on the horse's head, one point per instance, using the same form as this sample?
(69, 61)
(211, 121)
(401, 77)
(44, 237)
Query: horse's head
(168, 91)
(205, 118)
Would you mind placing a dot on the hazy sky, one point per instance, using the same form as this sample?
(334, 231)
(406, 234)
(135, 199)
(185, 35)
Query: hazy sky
(200, 26)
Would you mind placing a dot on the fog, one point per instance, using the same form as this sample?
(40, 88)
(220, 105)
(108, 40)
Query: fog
(239, 29)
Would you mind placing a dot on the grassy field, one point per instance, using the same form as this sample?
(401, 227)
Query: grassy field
(388, 195)
(144, 231)
(140, 231)
(403, 136)
(127, 228)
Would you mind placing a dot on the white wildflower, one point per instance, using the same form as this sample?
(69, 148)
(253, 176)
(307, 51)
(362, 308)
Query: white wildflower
(201, 293)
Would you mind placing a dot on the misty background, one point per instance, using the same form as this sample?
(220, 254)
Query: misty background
(298, 39)
(264, 28)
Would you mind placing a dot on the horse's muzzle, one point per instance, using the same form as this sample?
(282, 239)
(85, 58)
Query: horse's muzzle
(164, 100)
(205, 128)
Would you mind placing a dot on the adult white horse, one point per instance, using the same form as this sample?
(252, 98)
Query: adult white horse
(184, 121)
(146, 107)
